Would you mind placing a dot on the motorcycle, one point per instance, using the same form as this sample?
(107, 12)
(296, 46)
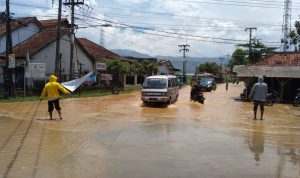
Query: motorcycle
(272, 98)
(198, 96)
(243, 95)
(296, 100)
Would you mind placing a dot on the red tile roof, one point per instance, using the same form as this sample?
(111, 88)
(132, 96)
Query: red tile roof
(95, 50)
(36, 42)
(48, 35)
(16, 23)
(52, 23)
(41, 39)
(280, 60)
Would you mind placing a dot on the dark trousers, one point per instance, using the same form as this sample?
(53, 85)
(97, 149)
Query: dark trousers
(260, 103)
(56, 105)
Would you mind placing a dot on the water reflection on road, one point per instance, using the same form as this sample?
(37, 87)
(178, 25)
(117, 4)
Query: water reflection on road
(116, 136)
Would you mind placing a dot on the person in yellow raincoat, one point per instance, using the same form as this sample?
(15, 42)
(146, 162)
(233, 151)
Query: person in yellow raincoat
(51, 91)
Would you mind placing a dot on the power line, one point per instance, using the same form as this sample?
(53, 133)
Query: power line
(234, 3)
(198, 18)
(173, 33)
(162, 31)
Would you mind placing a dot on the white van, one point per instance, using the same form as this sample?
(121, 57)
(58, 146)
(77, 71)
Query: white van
(160, 89)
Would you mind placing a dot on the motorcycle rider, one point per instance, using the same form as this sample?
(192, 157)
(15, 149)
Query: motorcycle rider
(195, 89)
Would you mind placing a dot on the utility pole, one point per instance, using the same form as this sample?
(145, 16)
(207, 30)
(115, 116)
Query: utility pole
(58, 34)
(221, 66)
(184, 48)
(221, 59)
(72, 3)
(250, 42)
(8, 72)
(286, 26)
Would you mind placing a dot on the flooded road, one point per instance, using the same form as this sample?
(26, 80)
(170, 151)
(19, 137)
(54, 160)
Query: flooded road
(116, 136)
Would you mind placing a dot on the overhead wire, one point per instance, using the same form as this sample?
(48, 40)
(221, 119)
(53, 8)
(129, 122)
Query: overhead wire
(235, 3)
(174, 33)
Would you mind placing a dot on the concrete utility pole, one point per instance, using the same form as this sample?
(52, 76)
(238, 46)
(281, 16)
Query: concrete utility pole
(184, 48)
(286, 26)
(250, 42)
(8, 72)
(58, 34)
(72, 3)
(221, 59)
(221, 66)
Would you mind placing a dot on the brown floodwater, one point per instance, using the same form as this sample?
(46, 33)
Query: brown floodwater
(116, 136)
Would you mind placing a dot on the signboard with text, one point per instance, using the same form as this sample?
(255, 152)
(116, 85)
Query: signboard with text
(100, 66)
(36, 70)
(106, 77)
(11, 61)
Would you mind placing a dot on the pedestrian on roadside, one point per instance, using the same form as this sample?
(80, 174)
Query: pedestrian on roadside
(258, 94)
(51, 91)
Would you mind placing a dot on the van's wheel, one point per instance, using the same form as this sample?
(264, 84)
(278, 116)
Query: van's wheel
(176, 98)
(170, 101)
(296, 102)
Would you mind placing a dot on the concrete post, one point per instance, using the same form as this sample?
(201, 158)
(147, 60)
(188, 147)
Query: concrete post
(135, 80)
(124, 80)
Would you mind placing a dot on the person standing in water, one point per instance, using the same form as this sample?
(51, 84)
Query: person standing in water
(259, 94)
(51, 91)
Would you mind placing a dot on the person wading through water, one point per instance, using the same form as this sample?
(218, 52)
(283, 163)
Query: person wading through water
(51, 91)
(259, 94)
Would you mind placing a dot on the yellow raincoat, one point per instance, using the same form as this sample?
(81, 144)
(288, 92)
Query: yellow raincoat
(51, 89)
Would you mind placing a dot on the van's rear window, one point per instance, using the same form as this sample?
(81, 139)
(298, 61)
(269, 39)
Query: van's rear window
(155, 83)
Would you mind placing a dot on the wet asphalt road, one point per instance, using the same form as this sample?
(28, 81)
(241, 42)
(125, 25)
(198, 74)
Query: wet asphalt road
(116, 137)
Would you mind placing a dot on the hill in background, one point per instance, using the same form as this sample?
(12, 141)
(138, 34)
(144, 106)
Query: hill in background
(192, 62)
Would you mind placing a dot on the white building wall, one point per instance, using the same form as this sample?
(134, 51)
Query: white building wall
(163, 69)
(47, 55)
(19, 35)
(83, 58)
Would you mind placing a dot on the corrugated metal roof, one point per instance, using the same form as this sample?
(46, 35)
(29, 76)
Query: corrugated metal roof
(271, 72)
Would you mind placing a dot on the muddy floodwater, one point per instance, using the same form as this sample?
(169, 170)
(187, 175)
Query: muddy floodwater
(117, 137)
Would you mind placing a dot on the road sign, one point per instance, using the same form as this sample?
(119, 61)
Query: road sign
(36, 70)
(106, 77)
(100, 66)
(11, 61)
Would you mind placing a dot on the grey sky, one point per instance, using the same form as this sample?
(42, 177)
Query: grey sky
(157, 27)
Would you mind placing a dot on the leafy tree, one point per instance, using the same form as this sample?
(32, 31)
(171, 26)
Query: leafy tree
(238, 58)
(258, 50)
(116, 67)
(147, 68)
(294, 37)
(134, 69)
(210, 67)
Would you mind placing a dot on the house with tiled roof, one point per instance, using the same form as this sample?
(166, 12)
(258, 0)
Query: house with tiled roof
(165, 67)
(97, 52)
(37, 39)
(22, 29)
(281, 72)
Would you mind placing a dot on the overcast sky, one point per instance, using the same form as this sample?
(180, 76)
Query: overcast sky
(212, 28)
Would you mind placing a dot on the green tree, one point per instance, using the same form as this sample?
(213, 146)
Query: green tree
(147, 68)
(258, 50)
(210, 67)
(294, 37)
(116, 67)
(238, 58)
(134, 69)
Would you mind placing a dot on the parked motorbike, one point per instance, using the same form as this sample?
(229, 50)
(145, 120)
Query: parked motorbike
(272, 98)
(296, 100)
(243, 95)
(198, 96)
